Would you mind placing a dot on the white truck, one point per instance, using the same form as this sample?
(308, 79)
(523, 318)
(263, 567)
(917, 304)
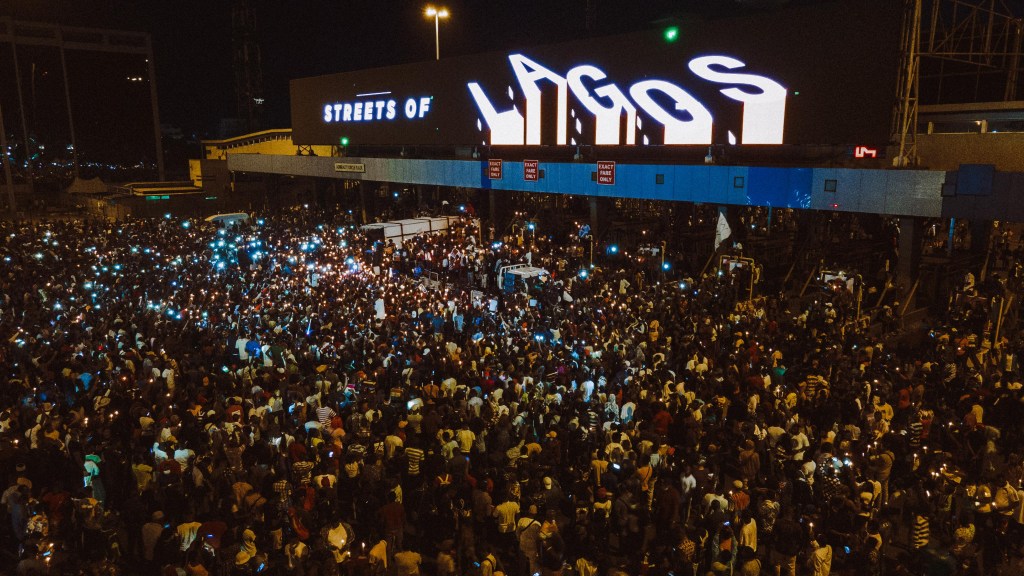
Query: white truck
(398, 231)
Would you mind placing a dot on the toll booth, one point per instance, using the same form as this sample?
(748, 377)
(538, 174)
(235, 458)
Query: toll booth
(743, 267)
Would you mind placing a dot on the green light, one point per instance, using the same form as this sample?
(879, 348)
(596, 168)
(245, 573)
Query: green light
(344, 140)
(671, 34)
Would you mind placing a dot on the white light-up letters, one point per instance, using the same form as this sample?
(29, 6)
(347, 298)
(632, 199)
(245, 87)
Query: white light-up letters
(373, 110)
(686, 120)
(529, 73)
(764, 114)
(608, 119)
(506, 127)
(696, 130)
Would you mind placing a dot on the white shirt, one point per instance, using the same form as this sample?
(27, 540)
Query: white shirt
(688, 484)
(800, 443)
(626, 413)
(588, 389)
(475, 403)
(748, 535)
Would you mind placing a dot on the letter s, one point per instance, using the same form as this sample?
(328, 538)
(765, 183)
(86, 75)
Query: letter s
(327, 113)
(694, 131)
(764, 114)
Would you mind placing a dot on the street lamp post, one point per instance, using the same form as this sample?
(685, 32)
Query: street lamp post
(12, 204)
(437, 13)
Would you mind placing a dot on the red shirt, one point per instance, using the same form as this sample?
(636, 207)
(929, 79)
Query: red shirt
(662, 420)
(393, 516)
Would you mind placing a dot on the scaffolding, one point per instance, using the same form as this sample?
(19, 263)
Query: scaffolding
(945, 42)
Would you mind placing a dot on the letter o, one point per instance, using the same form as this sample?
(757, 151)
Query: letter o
(410, 108)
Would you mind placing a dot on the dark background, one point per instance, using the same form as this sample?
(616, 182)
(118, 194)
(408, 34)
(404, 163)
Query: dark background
(837, 60)
(192, 41)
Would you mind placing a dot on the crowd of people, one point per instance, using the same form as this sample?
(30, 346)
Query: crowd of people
(291, 396)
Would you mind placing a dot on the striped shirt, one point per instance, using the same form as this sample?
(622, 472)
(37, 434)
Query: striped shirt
(324, 415)
(415, 457)
(920, 532)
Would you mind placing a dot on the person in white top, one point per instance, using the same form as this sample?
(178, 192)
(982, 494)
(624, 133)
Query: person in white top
(748, 530)
(588, 389)
(800, 442)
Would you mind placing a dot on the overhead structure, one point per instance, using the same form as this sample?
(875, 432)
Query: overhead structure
(248, 65)
(65, 38)
(955, 51)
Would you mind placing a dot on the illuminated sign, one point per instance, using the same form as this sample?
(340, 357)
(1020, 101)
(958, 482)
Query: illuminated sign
(796, 76)
(372, 109)
(494, 169)
(684, 118)
(865, 152)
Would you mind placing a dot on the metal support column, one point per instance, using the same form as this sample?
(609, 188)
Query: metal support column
(12, 204)
(161, 173)
(905, 119)
(29, 171)
(952, 236)
(67, 101)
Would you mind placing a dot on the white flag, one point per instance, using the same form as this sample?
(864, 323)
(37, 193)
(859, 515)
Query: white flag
(723, 231)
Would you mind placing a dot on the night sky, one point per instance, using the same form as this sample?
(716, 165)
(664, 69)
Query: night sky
(192, 39)
(193, 54)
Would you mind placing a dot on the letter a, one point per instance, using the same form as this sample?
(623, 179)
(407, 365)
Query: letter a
(529, 73)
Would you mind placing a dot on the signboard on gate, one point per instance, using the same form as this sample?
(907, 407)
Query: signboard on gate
(531, 170)
(606, 173)
(494, 169)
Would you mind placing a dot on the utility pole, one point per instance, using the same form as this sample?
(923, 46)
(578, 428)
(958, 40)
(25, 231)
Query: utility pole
(12, 204)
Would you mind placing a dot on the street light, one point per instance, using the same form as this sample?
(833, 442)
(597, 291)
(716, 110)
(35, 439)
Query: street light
(437, 13)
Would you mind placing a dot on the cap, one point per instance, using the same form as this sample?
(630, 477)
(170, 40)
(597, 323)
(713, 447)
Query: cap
(548, 483)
